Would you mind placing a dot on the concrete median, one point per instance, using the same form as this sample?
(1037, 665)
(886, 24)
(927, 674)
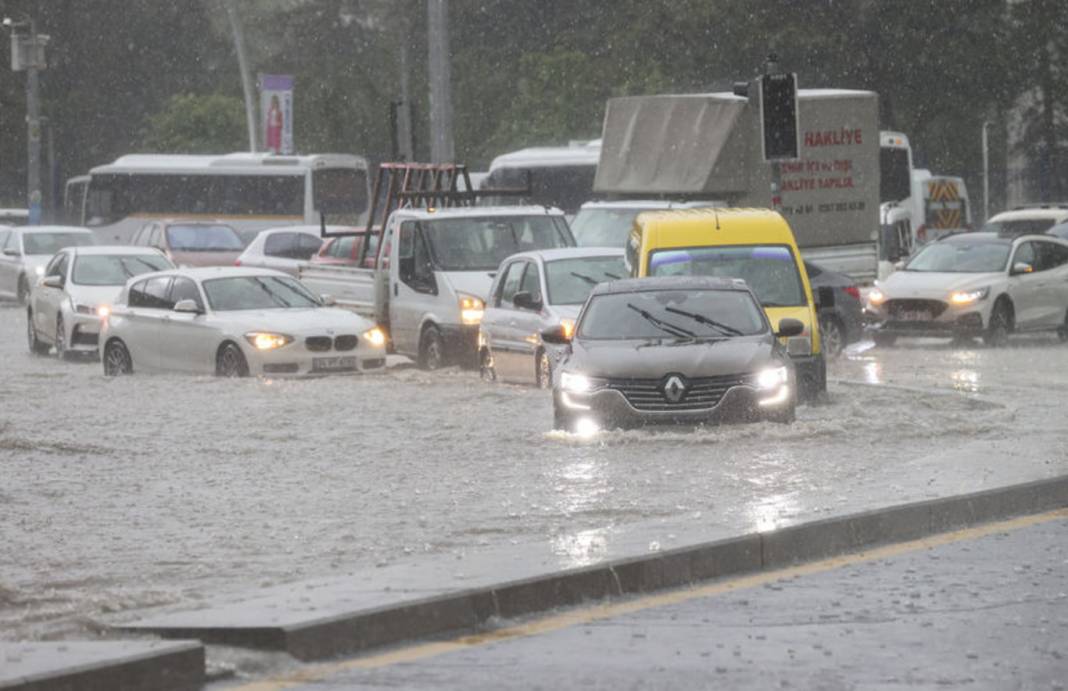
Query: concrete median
(102, 666)
(310, 637)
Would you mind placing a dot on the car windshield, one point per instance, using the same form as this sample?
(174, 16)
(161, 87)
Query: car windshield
(203, 238)
(115, 269)
(481, 244)
(603, 227)
(961, 257)
(681, 314)
(770, 270)
(257, 293)
(50, 243)
(569, 281)
(1022, 226)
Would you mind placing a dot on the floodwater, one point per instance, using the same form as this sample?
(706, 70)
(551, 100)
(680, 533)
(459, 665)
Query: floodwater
(122, 494)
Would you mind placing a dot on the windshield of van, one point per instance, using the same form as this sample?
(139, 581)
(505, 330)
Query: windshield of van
(115, 269)
(203, 238)
(482, 243)
(671, 313)
(962, 257)
(569, 281)
(770, 270)
(603, 227)
(50, 243)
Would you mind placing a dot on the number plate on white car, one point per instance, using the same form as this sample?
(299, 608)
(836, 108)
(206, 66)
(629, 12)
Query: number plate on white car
(333, 364)
(914, 316)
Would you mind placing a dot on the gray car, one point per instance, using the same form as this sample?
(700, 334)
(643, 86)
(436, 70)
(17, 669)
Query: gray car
(841, 318)
(534, 291)
(673, 350)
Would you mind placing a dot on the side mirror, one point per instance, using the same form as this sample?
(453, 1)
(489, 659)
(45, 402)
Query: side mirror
(789, 327)
(527, 301)
(1021, 268)
(557, 336)
(52, 281)
(11, 252)
(187, 306)
(824, 297)
(327, 300)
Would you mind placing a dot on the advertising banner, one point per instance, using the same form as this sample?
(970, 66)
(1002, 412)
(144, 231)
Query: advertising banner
(276, 112)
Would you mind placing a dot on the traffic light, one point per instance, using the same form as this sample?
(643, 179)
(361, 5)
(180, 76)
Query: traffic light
(778, 116)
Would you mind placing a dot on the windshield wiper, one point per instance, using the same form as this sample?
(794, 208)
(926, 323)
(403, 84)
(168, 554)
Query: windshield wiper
(589, 279)
(701, 319)
(612, 276)
(676, 331)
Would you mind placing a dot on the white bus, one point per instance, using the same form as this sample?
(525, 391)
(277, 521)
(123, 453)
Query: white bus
(560, 176)
(249, 191)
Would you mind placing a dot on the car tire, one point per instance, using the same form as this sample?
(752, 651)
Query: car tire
(543, 370)
(486, 372)
(23, 291)
(783, 417)
(60, 341)
(231, 362)
(116, 359)
(431, 349)
(832, 335)
(563, 421)
(1000, 325)
(35, 344)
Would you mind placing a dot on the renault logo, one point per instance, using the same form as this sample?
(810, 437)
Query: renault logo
(674, 389)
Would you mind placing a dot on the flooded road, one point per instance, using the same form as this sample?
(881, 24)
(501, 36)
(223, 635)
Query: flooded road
(117, 495)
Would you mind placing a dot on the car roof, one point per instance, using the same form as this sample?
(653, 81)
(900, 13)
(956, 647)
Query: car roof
(204, 273)
(478, 212)
(192, 222)
(977, 236)
(113, 250)
(1058, 212)
(550, 255)
(650, 204)
(634, 285)
(310, 229)
(52, 229)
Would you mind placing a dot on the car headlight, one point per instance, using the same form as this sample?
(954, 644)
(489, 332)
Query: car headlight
(265, 340)
(103, 311)
(471, 310)
(579, 383)
(375, 336)
(83, 309)
(39, 271)
(772, 378)
(876, 297)
(568, 325)
(967, 297)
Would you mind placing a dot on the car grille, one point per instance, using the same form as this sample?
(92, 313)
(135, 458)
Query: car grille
(898, 308)
(347, 342)
(701, 392)
(318, 344)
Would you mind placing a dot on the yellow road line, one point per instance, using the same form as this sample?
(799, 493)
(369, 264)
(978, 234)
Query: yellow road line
(596, 612)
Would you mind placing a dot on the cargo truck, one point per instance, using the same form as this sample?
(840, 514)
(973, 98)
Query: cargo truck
(708, 146)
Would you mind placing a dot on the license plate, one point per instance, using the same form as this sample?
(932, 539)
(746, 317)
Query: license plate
(914, 316)
(333, 364)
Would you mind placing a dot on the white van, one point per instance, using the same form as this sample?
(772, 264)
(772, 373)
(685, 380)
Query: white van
(560, 176)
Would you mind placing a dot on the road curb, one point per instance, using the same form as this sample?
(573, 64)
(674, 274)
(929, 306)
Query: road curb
(364, 629)
(102, 666)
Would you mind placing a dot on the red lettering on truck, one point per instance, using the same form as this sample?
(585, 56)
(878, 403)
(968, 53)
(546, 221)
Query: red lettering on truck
(840, 137)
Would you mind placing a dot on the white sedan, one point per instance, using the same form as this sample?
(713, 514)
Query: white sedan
(233, 322)
(284, 249)
(975, 284)
(79, 285)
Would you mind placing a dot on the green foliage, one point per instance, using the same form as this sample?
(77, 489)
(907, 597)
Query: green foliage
(191, 124)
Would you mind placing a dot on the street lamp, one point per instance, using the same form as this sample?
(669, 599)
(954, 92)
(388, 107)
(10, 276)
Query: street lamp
(28, 55)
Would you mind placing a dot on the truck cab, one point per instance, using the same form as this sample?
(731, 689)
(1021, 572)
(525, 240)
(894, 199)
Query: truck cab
(429, 283)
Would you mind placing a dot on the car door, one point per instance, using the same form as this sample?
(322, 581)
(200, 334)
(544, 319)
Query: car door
(142, 321)
(415, 289)
(1050, 286)
(187, 341)
(1024, 288)
(10, 264)
(528, 324)
(46, 300)
(507, 354)
(495, 320)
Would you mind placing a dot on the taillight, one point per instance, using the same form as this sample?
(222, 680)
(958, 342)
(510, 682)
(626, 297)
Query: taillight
(853, 290)
(237, 262)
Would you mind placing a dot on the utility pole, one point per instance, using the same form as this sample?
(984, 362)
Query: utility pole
(441, 144)
(246, 77)
(406, 146)
(27, 54)
(986, 172)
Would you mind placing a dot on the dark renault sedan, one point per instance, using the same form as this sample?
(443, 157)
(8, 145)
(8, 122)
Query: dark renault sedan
(673, 350)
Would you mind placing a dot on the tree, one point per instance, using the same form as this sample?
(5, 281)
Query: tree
(191, 124)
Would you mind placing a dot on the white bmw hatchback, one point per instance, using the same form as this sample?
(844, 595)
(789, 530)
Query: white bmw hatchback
(233, 322)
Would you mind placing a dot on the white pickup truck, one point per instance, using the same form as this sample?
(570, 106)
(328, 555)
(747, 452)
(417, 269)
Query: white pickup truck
(433, 273)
